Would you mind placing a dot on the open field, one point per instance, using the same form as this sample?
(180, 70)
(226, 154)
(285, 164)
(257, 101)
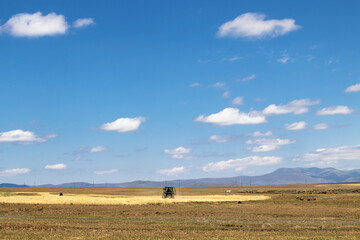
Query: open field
(286, 213)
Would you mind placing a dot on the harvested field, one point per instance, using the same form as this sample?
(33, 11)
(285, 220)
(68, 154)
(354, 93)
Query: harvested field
(97, 199)
(286, 213)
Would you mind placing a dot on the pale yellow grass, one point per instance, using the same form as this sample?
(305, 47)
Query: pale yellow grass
(96, 199)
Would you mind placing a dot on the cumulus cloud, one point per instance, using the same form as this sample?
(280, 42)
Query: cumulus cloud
(173, 171)
(254, 25)
(13, 172)
(237, 101)
(59, 166)
(343, 110)
(122, 125)
(106, 172)
(21, 136)
(260, 134)
(267, 144)
(179, 150)
(331, 155)
(218, 138)
(97, 149)
(35, 25)
(353, 88)
(38, 25)
(299, 106)
(321, 126)
(295, 126)
(241, 163)
(83, 22)
(231, 116)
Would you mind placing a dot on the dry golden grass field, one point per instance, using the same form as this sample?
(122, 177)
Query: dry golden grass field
(320, 211)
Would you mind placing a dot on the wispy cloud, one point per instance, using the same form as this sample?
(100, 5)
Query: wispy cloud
(226, 94)
(296, 107)
(237, 101)
(331, 154)
(248, 78)
(105, 172)
(97, 149)
(241, 163)
(179, 150)
(321, 126)
(296, 126)
(59, 166)
(219, 138)
(220, 85)
(172, 171)
(335, 110)
(195, 84)
(13, 172)
(254, 25)
(260, 134)
(267, 144)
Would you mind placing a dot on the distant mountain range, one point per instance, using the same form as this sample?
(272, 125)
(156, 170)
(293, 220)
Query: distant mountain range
(278, 177)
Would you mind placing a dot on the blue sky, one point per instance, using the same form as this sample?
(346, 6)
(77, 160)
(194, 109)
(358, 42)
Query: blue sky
(126, 90)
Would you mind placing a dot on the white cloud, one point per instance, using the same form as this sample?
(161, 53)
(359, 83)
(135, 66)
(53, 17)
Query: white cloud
(284, 59)
(264, 148)
(231, 116)
(59, 166)
(177, 156)
(231, 59)
(179, 150)
(83, 22)
(106, 172)
(295, 126)
(270, 141)
(268, 144)
(254, 25)
(173, 171)
(13, 172)
(241, 163)
(259, 134)
(296, 107)
(35, 25)
(237, 101)
(218, 138)
(123, 124)
(21, 136)
(219, 85)
(353, 88)
(195, 84)
(332, 155)
(335, 110)
(321, 126)
(226, 94)
(248, 78)
(97, 149)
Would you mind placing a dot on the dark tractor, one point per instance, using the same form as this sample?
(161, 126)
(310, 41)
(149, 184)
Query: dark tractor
(168, 192)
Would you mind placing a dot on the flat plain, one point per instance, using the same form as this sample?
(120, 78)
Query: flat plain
(319, 211)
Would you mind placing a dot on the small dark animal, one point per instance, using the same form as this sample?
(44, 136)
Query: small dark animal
(239, 202)
(60, 194)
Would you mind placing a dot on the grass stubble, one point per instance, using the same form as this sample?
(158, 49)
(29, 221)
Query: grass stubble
(271, 212)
